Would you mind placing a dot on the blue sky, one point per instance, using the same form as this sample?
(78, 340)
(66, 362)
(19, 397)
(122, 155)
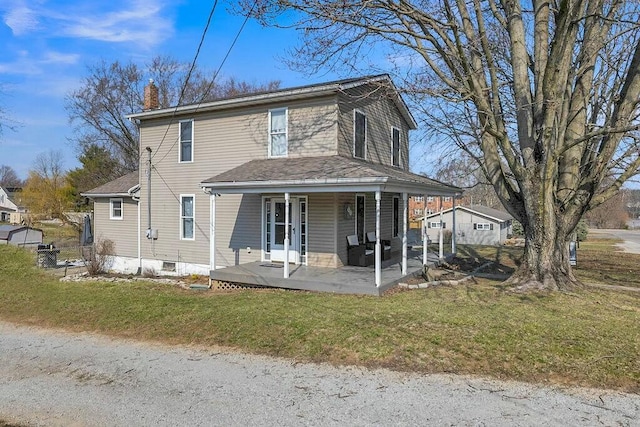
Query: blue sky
(47, 45)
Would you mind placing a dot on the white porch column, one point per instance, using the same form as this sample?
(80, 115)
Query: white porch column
(378, 252)
(441, 234)
(212, 233)
(453, 227)
(425, 237)
(405, 216)
(286, 235)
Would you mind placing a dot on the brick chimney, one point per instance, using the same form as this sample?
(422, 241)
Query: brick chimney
(151, 97)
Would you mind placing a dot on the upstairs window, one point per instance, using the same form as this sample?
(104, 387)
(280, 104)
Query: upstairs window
(278, 145)
(418, 198)
(115, 209)
(187, 217)
(417, 212)
(395, 146)
(186, 141)
(359, 134)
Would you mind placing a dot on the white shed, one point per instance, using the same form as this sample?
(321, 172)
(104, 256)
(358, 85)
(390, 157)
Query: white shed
(475, 224)
(20, 235)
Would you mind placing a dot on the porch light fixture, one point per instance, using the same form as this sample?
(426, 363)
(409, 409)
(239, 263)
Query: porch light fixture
(348, 210)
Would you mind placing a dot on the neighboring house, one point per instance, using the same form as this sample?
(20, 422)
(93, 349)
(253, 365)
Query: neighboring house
(427, 205)
(20, 235)
(10, 204)
(474, 225)
(265, 178)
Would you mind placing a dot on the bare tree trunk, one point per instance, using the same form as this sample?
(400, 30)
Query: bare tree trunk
(545, 264)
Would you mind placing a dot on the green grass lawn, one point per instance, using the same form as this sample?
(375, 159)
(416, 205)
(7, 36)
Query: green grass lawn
(590, 337)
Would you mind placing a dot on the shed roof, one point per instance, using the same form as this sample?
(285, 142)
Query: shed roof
(7, 230)
(485, 211)
(121, 187)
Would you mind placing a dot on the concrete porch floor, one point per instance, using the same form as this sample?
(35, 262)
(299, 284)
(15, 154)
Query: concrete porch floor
(343, 280)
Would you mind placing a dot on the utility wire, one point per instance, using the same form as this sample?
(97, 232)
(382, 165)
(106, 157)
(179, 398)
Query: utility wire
(186, 81)
(213, 79)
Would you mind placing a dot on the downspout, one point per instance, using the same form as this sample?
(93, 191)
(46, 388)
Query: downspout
(149, 194)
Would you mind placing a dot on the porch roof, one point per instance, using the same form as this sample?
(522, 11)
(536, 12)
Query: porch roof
(323, 174)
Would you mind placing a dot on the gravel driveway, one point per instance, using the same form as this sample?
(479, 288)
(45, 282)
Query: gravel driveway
(62, 379)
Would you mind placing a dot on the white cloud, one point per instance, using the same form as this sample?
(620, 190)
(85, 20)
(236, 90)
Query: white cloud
(21, 19)
(52, 57)
(138, 22)
(25, 64)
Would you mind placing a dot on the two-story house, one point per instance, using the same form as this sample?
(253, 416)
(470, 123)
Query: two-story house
(277, 179)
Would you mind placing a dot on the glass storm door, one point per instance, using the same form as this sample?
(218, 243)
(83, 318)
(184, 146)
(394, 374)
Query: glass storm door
(277, 231)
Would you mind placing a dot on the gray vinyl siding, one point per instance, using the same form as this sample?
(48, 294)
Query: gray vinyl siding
(465, 232)
(222, 140)
(347, 227)
(124, 232)
(382, 114)
(321, 225)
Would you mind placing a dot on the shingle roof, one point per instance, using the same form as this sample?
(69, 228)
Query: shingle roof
(501, 215)
(6, 230)
(117, 187)
(299, 92)
(496, 214)
(320, 169)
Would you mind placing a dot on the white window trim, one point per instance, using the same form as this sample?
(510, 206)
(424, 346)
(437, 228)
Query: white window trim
(356, 111)
(111, 216)
(286, 132)
(180, 140)
(399, 147)
(182, 196)
(483, 226)
(434, 224)
(429, 198)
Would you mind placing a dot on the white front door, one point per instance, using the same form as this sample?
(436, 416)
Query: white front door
(277, 232)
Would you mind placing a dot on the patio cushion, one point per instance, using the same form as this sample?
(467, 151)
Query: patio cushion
(352, 240)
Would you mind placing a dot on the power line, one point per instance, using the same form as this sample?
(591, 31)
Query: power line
(186, 81)
(213, 79)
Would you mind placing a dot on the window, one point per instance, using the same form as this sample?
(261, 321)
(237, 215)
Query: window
(359, 134)
(396, 216)
(187, 217)
(115, 209)
(278, 145)
(418, 198)
(483, 226)
(430, 199)
(447, 199)
(429, 212)
(436, 224)
(186, 141)
(395, 146)
(417, 212)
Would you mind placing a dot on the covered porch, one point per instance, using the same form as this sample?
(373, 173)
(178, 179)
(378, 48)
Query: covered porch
(285, 180)
(342, 280)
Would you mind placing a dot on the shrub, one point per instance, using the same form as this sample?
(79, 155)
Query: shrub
(101, 257)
